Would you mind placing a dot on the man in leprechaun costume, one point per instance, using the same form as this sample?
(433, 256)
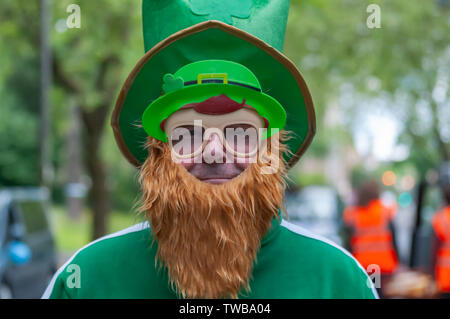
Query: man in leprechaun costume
(213, 116)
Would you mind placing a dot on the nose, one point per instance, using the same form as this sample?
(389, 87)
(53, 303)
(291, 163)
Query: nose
(214, 151)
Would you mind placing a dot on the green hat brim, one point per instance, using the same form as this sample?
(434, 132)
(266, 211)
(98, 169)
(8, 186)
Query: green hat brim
(278, 76)
(167, 104)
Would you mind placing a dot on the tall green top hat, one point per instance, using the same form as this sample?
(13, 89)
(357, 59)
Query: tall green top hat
(238, 44)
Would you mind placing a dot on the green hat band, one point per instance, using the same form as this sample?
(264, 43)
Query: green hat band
(223, 81)
(172, 84)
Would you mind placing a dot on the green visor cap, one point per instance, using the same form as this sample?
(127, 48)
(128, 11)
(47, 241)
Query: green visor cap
(198, 81)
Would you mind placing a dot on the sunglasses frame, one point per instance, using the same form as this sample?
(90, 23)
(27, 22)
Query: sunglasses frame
(214, 124)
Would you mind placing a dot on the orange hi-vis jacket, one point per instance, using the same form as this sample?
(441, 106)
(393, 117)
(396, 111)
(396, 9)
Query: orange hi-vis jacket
(372, 241)
(441, 226)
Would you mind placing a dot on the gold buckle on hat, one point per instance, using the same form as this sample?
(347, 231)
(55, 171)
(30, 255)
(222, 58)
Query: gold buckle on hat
(203, 76)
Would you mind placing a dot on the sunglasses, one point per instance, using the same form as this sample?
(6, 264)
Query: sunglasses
(189, 132)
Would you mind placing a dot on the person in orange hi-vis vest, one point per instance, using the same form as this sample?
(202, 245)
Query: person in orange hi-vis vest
(441, 227)
(371, 231)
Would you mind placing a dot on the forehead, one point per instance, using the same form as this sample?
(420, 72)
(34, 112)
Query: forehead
(189, 116)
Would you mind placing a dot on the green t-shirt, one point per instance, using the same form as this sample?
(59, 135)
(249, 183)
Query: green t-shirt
(291, 263)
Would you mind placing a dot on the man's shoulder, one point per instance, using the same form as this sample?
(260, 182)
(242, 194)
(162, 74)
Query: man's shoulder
(109, 247)
(107, 254)
(301, 240)
(121, 244)
(325, 259)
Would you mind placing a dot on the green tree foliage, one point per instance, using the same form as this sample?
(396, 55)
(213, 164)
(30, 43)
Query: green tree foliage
(402, 61)
(90, 63)
(19, 95)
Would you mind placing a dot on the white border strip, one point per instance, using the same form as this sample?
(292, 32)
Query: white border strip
(301, 231)
(132, 229)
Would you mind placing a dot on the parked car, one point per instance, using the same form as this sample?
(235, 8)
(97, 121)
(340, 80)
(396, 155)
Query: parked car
(317, 209)
(27, 250)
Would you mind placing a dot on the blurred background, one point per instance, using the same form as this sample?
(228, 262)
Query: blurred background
(380, 95)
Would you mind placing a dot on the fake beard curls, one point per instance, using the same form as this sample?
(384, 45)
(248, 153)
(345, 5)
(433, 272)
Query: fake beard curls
(208, 235)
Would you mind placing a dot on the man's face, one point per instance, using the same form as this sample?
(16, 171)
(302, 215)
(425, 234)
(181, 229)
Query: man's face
(217, 172)
(221, 145)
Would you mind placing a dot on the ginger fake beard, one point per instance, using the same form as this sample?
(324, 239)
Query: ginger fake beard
(208, 235)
